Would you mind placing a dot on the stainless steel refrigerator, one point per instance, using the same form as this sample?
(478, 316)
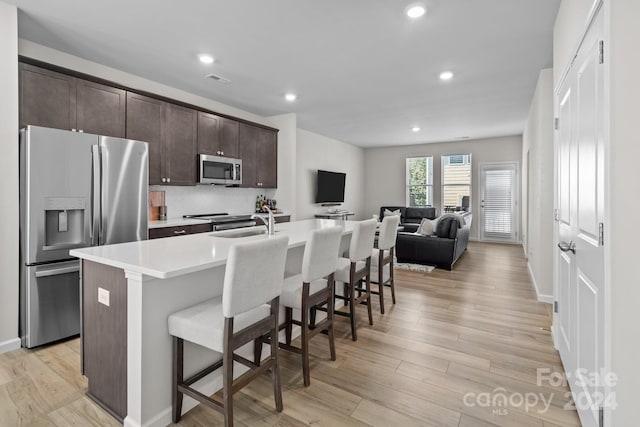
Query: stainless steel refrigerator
(76, 190)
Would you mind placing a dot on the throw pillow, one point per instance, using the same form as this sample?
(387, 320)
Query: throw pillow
(444, 227)
(387, 212)
(427, 227)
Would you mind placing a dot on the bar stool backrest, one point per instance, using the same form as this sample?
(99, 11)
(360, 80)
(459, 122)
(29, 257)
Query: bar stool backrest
(321, 253)
(254, 274)
(388, 232)
(364, 233)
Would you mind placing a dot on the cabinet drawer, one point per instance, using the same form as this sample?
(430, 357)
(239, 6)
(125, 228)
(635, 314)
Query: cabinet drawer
(284, 218)
(155, 233)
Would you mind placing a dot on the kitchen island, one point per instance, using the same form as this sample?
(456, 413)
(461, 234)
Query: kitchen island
(128, 292)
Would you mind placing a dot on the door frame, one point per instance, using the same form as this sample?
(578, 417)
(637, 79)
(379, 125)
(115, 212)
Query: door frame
(598, 6)
(516, 197)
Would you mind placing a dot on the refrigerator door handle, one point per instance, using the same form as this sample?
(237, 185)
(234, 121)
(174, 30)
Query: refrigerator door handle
(96, 205)
(57, 271)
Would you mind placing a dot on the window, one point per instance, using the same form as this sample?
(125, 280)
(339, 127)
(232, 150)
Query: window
(456, 182)
(419, 181)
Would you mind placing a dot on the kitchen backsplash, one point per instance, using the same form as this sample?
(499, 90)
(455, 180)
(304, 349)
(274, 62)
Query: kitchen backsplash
(202, 199)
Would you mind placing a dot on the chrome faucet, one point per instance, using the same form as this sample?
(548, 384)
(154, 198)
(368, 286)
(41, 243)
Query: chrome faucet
(270, 224)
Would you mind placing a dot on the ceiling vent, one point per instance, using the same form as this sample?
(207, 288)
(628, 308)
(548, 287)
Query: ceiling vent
(218, 78)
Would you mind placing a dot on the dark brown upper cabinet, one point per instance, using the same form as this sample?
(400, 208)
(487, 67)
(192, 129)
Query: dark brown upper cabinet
(56, 100)
(47, 98)
(145, 118)
(267, 159)
(171, 133)
(217, 136)
(259, 153)
(180, 145)
(101, 109)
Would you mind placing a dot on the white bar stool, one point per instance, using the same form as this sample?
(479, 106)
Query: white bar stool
(246, 311)
(354, 269)
(382, 256)
(313, 286)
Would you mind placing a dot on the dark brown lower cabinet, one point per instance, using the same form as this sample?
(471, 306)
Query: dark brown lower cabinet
(104, 337)
(155, 233)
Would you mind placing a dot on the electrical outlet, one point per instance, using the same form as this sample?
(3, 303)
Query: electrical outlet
(103, 296)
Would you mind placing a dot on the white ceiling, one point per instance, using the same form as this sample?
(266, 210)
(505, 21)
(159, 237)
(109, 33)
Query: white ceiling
(363, 71)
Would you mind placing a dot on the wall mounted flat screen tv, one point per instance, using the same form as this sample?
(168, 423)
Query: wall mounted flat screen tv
(330, 187)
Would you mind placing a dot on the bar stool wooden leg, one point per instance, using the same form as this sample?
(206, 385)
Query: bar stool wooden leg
(227, 377)
(178, 378)
(288, 316)
(381, 280)
(352, 303)
(275, 367)
(330, 308)
(368, 289)
(393, 280)
(305, 334)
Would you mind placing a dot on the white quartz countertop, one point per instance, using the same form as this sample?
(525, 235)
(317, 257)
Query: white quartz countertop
(165, 258)
(180, 222)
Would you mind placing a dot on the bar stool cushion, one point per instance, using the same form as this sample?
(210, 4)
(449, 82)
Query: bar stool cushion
(343, 266)
(292, 290)
(203, 324)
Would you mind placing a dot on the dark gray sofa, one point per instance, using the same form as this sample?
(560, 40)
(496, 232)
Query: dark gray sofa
(441, 252)
(410, 218)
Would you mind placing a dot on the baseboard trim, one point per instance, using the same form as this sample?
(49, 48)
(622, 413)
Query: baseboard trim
(547, 299)
(9, 345)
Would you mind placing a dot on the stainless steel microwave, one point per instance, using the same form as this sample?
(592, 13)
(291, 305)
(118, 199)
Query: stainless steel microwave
(219, 170)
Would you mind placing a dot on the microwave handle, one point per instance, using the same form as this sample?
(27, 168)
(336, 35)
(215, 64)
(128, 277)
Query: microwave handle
(236, 174)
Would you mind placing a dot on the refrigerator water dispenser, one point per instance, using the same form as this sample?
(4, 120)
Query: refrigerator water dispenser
(64, 222)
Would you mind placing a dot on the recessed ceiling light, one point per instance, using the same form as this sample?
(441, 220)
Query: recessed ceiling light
(446, 75)
(415, 129)
(290, 97)
(416, 10)
(205, 59)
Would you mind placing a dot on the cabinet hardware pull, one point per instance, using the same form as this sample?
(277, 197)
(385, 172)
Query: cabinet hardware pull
(179, 232)
(168, 179)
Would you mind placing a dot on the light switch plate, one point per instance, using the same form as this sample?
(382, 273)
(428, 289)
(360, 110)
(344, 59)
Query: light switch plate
(103, 296)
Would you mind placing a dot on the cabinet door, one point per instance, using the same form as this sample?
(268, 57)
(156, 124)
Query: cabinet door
(209, 134)
(47, 98)
(180, 147)
(145, 122)
(100, 109)
(248, 136)
(267, 159)
(229, 137)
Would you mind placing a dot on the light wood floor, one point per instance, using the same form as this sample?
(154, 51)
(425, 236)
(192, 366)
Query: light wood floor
(452, 337)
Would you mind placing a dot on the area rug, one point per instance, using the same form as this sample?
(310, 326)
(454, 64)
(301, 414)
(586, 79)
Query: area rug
(414, 267)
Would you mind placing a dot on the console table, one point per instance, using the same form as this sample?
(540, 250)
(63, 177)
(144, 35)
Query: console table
(335, 215)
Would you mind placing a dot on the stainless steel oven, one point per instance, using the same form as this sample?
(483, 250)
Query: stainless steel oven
(219, 170)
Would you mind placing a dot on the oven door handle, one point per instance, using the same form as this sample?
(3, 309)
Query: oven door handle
(57, 271)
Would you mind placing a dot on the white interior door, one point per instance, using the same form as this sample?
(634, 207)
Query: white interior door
(580, 204)
(498, 202)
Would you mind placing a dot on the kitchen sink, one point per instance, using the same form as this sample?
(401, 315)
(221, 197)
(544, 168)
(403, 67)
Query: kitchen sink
(243, 233)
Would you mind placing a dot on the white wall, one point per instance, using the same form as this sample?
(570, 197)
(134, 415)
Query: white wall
(319, 152)
(9, 225)
(385, 170)
(287, 146)
(623, 64)
(537, 206)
